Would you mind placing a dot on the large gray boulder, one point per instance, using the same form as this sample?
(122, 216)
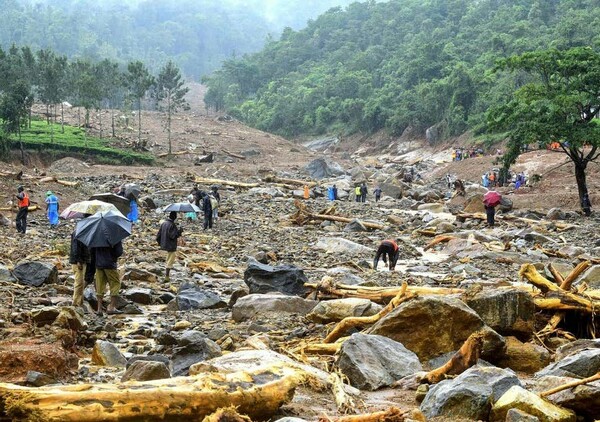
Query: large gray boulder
(146, 371)
(429, 325)
(579, 365)
(338, 309)
(105, 353)
(36, 273)
(321, 168)
(259, 305)
(519, 398)
(371, 362)
(583, 400)
(507, 311)
(286, 279)
(190, 296)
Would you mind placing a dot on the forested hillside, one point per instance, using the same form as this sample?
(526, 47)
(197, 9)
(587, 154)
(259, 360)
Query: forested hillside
(196, 34)
(417, 63)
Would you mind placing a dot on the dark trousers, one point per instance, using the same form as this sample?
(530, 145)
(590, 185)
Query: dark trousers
(377, 198)
(392, 255)
(490, 213)
(208, 220)
(363, 197)
(22, 219)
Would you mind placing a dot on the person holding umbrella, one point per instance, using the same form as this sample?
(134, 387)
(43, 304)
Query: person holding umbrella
(167, 239)
(490, 200)
(103, 233)
(79, 258)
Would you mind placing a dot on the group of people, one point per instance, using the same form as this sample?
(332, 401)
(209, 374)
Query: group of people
(23, 203)
(460, 153)
(208, 202)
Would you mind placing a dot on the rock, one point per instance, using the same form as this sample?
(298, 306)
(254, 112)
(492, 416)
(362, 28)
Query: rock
(72, 318)
(338, 309)
(322, 168)
(190, 337)
(524, 357)
(146, 371)
(571, 251)
(255, 305)
(582, 364)
(516, 415)
(555, 214)
(339, 245)
(89, 295)
(505, 205)
(474, 204)
(36, 273)
(6, 275)
(140, 275)
(528, 402)
(186, 356)
(391, 189)
(458, 400)
(429, 325)
(371, 362)
(37, 379)
(575, 347)
(45, 316)
(148, 203)
(148, 358)
(583, 400)
(355, 226)
(272, 192)
(591, 277)
(190, 296)
(165, 338)
(445, 227)
(181, 325)
(5, 222)
(105, 353)
(435, 208)
(507, 311)
(139, 295)
(286, 279)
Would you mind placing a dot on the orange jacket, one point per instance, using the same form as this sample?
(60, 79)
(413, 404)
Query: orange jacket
(24, 202)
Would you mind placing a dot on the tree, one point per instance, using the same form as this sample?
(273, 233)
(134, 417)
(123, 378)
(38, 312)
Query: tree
(14, 108)
(138, 81)
(86, 85)
(560, 104)
(170, 94)
(51, 80)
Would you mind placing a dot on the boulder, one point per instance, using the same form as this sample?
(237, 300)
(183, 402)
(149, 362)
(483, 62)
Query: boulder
(435, 207)
(355, 226)
(338, 309)
(105, 353)
(256, 305)
(139, 275)
(575, 347)
(6, 275)
(474, 204)
(38, 379)
(146, 371)
(339, 245)
(148, 358)
(139, 295)
(272, 192)
(190, 296)
(36, 273)
(71, 318)
(555, 214)
(591, 277)
(516, 415)
(391, 189)
(429, 325)
(45, 315)
(321, 168)
(505, 205)
(519, 398)
(582, 364)
(371, 362)
(524, 357)
(192, 353)
(572, 251)
(286, 279)
(190, 337)
(507, 311)
(583, 400)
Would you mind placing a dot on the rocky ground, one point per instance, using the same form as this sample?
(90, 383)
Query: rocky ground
(219, 310)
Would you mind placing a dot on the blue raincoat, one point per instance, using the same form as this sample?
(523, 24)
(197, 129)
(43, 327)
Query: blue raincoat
(133, 213)
(52, 202)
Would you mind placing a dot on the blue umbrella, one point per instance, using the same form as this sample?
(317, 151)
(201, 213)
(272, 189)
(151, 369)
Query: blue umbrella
(103, 229)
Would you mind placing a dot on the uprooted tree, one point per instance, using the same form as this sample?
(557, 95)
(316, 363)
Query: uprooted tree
(558, 105)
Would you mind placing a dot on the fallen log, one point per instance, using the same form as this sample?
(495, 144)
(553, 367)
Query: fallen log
(166, 154)
(234, 155)
(345, 403)
(572, 384)
(258, 394)
(463, 359)
(274, 179)
(48, 179)
(506, 217)
(229, 414)
(209, 181)
(327, 288)
(303, 215)
(393, 414)
(439, 239)
(351, 322)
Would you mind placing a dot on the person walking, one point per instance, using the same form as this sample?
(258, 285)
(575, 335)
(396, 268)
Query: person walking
(52, 208)
(390, 248)
(357, 193)
(363, 192)
(207, 209)
(377, 193)
(215, 200)
(79, 258)
(108, 276)
(23, 204)
(335, 193)
(167, 236)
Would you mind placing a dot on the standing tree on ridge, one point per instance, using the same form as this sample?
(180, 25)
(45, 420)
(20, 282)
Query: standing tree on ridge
(138, 81)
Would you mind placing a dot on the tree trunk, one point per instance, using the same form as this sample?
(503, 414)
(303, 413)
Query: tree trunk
(584, 199)
(139, 121)
(62, 117)
(169, 122)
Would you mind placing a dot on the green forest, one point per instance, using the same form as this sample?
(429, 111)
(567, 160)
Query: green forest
(197, 35)
(395, 65)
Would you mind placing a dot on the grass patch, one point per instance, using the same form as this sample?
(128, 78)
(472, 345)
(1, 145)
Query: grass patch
(40, 137)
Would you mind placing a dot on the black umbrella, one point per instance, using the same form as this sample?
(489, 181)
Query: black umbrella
(103, 229)
(132, 191)
(182, 207)
(121, 203)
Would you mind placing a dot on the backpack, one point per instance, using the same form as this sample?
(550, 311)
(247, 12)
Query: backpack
(213, 202)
